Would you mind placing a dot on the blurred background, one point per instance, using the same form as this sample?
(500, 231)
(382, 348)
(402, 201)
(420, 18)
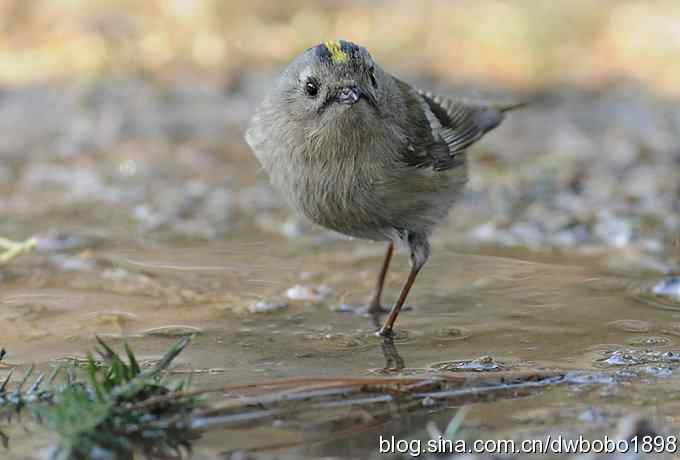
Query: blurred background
(122, 152)
(142, 106)
(516, 43)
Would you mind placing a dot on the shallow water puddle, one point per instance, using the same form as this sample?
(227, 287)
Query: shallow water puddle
(470, 313)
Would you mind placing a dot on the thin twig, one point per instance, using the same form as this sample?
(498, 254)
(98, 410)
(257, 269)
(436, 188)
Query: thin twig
(393, 385)
(14, 249)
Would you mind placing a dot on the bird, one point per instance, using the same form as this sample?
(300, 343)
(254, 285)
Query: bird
(361, 152)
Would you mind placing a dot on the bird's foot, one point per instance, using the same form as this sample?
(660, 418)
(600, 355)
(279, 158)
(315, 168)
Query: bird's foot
(393, 360)
(386, 332)
(375, 308)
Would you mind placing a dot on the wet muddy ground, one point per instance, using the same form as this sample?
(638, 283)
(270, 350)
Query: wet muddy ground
(154, 221)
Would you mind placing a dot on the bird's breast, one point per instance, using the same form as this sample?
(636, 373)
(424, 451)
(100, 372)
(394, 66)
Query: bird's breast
(336, 193)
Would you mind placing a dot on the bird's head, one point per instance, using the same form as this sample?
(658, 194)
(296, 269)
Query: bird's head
(332, 85)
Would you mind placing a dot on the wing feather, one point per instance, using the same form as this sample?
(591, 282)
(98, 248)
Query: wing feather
(462, 123)
(452, 126)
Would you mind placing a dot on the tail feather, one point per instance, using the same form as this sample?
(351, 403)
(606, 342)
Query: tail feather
(513, 106)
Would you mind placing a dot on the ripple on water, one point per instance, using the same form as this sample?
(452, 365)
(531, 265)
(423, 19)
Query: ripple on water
(449, 334)
(405, 335)
(358, 340)
(664, 294)
(653, 341)
(634, 357)
(672, 328)
(621, 358)
(342, 341)
(22, 311)
(631, 325)
(171, 331)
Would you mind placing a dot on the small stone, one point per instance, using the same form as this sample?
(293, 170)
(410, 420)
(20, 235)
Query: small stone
(621, 358)
(483, 363)
(293, 228)
(591, 415)
(428, 401)
(262, 306)
(659, 371)
(57, 241)
(650, 341)
(307, 293)
(343, 308)
(613, 230)
(73, 264)
(670, 356)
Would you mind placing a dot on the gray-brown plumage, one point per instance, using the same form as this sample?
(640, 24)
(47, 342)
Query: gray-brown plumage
(358, 151)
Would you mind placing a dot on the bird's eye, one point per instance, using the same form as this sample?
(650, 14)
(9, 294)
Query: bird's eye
(311, 87)
(371, 74)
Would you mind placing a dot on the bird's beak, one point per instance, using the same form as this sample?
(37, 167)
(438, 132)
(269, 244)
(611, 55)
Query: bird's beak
(349, 94)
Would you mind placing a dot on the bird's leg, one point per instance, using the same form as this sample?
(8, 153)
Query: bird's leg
(393, 360)
(420, 252)
(375, 306)
(386, 330)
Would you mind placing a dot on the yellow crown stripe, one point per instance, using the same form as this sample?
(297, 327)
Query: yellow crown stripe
(338, 56)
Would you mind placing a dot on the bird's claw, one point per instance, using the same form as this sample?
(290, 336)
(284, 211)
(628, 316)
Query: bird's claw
(375, 308)
(385, 332)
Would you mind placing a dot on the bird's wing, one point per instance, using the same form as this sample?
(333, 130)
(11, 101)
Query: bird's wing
(457, 125)
(442, 128)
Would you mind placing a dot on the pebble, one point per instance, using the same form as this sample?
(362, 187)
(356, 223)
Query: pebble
(636, 357)
(308, 293)
(484, 363)
(428, 401)
(481, 364)
(262, 306)
(621, 358)
(650, 341)
(659, 371)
